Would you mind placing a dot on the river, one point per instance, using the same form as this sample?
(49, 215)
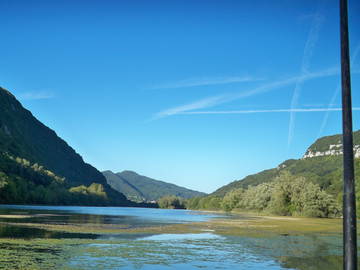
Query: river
(67, 237)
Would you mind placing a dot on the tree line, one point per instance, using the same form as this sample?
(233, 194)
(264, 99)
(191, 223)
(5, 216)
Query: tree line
(24, 182)
(286, 195)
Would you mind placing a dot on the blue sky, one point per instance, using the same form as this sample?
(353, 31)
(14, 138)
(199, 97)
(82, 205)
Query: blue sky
(197, 93)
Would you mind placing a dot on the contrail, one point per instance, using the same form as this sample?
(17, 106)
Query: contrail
(269, 111)
(205, 82)
(308, 52)
(207, 102)
(220, 99)
(335, 94)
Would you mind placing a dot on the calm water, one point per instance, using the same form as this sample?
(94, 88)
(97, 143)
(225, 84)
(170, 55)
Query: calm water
(161, 251)
(133, 217)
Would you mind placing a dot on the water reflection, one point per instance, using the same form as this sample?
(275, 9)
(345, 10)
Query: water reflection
(22, 232)
(131, 217)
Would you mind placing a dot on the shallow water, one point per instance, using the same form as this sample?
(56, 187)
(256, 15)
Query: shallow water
(209, 251)
(134, 217)
(152, 251)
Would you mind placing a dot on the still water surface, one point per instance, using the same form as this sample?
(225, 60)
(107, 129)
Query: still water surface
(166, 251)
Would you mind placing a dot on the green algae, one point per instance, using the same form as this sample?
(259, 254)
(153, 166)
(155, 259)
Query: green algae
(242, 224)
(33, 255)
(258, 231)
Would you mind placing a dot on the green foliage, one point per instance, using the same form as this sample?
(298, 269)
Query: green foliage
(4, 180)
(232, 199)
(318, 178)
(256, 198)
(171, 202)
(287, 195)
(38, 169)
(212, 203)
(204, 203)
(24, 182)
(297, 196)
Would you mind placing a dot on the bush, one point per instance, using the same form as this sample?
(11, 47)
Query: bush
(232, 199)
(298, 197)
(171, 202)
(286, 195)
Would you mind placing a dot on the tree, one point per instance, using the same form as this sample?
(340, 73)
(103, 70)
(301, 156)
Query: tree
(172, 202)
(232, 199)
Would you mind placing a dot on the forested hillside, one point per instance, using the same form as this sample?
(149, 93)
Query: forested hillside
(141, 188)
(36, 166)
(319, 173)
(24, 182)
(22, 135)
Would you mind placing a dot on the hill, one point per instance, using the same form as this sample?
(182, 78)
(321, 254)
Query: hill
(320, 169)
(321, 163)
(141, 188)
(34, 160)
(332, 146)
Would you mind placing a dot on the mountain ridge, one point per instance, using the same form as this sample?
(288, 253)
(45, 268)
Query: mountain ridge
(146, 188)
(35, 138)
(310, 186)
(324, 155)
(34, 157)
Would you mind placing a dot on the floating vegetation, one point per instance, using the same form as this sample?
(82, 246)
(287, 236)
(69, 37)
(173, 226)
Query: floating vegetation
(34, 254)
(241, 241)
(239, 225)
(204, 250)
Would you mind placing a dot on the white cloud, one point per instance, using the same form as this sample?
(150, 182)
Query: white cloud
(35, 95)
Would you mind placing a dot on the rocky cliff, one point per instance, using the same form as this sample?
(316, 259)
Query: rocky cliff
(331, 146)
